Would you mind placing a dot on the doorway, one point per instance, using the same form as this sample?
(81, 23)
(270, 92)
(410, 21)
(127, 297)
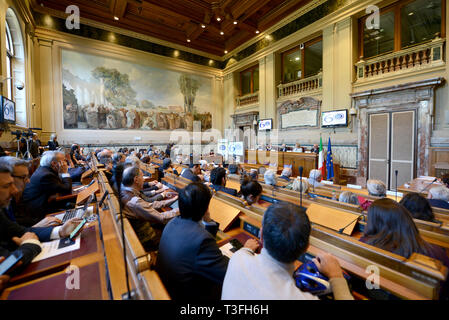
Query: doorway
(392, 147)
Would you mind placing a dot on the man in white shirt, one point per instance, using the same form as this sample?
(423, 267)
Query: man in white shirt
(269, 275)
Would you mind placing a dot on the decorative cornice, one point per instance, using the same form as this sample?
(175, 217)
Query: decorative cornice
(433, 82)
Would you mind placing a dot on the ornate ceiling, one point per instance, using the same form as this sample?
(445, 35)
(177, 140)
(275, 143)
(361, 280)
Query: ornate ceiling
(214, 27)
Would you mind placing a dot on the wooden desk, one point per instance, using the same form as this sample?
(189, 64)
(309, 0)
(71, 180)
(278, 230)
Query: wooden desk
(89, 260)
(280, 159)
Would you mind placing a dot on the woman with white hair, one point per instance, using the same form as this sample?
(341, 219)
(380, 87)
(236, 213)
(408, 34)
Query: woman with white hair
(439, 197)
(286, 174)
(376, 188)
(270, 177)
(315, 178)
(348, 197)
(53, 142)
(298, 185)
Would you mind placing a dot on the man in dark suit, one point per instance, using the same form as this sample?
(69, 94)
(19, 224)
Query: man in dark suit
(53, 143)
(189, 261)
(50, 178)
(16, 237)
(218, 179)
(192, 173)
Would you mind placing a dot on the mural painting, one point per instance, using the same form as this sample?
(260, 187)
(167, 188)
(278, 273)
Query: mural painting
(110, 94)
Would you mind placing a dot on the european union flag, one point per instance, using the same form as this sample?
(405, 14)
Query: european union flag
(329, 161)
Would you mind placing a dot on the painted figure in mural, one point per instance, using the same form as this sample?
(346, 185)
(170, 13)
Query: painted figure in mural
(111, 122)
(188, 121)
(102, 113)
(122, 117)
(137, 120)
(92, 116)
(189, 88)
(143, 116)
(70, 116)
(178, 122)
(206, 120)
(171, 121)
(161, 121)
(130, 116)
(152, 118)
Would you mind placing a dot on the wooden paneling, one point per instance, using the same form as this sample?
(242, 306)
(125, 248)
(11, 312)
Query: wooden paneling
(184, 18)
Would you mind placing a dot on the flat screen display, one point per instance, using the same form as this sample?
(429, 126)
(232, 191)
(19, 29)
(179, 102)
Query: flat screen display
(265, 124)
(338, 118)
(8, 110)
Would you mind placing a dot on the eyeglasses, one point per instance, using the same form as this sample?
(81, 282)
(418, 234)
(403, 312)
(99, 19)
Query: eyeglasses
(21, 177)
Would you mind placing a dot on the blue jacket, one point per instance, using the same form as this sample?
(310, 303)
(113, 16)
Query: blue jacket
(230, 191)
(188, 174)
(439, 203)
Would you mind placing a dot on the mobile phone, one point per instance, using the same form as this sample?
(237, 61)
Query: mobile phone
(236, 245)
(10, 262)
(77, 229)
(175, 205)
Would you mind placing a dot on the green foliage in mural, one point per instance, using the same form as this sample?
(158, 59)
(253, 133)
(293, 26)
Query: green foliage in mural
(189, 87)
(118, 91)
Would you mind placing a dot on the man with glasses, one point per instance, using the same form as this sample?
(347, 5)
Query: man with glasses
(14, 237)
(16, 212)
(50, 179)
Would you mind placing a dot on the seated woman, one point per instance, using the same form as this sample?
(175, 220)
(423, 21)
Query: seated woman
(376, 188)
(348, 197)
(270, 177)
(298, 148)
(418, 206)
(390, 227)
(295, 185)
(250, 190)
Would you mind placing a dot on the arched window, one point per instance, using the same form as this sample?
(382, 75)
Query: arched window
(15, 65)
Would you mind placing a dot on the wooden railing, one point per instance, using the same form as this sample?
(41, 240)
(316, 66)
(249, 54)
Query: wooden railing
(307, 85)
(415, 58)
(248, 99)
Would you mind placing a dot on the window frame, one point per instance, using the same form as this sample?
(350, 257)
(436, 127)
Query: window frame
(294, 49)
(9, 60)
(252, 68)
(396, 8)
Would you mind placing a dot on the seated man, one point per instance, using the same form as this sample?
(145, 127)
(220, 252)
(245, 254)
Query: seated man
(439, 197)
(192, 173)
(286, 174)
(218, 179)
(16, 237)
(143, 216)
(190, 263)
(234, 171)
(270, 177)
(254, 174)
(50, 179)
(16, 210)
(285, 234)
(315, 178)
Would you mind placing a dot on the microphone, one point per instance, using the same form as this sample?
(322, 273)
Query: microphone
(300, 169)
(396, 174)
(342, 229)
(434, 180)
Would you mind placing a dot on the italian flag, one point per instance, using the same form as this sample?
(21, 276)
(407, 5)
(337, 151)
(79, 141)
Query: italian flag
(321, 164)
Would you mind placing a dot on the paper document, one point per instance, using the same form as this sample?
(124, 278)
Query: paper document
(57, 247)
(226, 250)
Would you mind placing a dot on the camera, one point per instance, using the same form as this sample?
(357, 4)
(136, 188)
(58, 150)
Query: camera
(17, 133)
